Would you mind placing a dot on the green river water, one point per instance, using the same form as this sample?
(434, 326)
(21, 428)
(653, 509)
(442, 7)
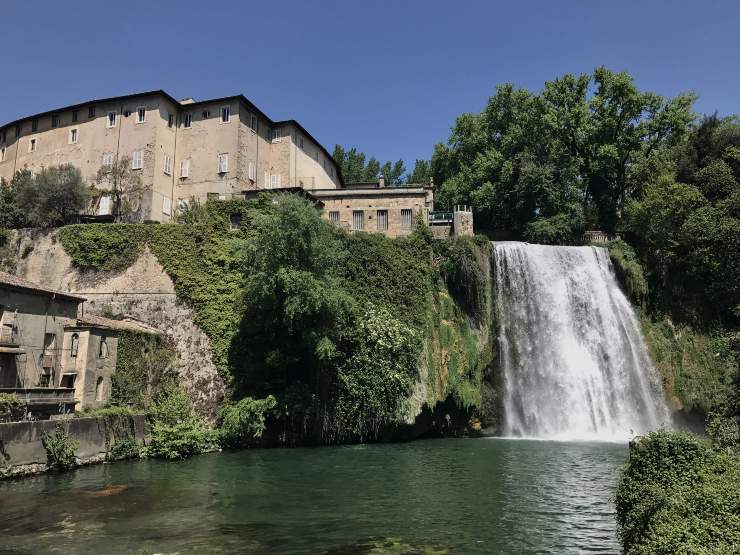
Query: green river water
(432, 496)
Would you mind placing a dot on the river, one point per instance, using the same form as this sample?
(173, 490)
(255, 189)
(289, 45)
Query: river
(431, 496)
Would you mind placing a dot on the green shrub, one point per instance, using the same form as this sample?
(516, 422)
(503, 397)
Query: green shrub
(4, 236)
(677, 495)
(244, 420)
(177, 431)
(60, 448)
(628, 270)
(124, 448)
(102, 247)
(11, 407)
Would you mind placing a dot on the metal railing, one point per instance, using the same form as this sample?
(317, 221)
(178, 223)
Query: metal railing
(440, 217)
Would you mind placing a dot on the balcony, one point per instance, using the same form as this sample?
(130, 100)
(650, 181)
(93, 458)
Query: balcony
(440, 218)
(45, 400)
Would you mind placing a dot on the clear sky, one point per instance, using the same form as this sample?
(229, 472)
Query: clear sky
(386, 76)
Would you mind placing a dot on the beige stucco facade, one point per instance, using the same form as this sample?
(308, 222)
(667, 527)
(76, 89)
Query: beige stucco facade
(215, 148)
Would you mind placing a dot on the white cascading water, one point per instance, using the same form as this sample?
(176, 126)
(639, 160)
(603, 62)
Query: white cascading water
(575, 364)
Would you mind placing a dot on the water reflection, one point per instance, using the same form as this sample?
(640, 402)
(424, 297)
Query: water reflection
(455, 496)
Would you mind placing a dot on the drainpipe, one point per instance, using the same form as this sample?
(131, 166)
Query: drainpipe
(118, 148)
(174, 158)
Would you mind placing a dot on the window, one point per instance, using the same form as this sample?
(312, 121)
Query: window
(91, 112)
(406, 218)
(112, 116)
(212, 196)
(32, 145)
(235, 221)
(170, 120)
(5, 135)
(136, 162)
(274, 181)
(206, 114)
(188, 121)
(2, 154)
(108, 159)
(73, 136)
(75, 115)
(166, 206)
(300, 142)
(104, 206)
(68, 380)
(55, 120)
(334, 216)
(75, 345)
(167, 164)
(332, 171)
(99, 389)
(103, 352)
(184, 168)
(358, 220)
(17, 131)
(223, 163)
(276, 134)
(382, 220)
(34, 126)
(253, 122)
(225, 114)
(252, 172)
(140, 114)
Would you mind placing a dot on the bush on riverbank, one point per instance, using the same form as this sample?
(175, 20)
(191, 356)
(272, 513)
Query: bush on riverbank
(60, 448)
(177, 431)
(244, 421)
(678, 495)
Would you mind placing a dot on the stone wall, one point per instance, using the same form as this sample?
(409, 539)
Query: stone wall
(143, 291)
(22, 450)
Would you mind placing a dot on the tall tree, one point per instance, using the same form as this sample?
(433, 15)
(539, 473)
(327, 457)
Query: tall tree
(55, 196)
(125, 188)
(355, 169)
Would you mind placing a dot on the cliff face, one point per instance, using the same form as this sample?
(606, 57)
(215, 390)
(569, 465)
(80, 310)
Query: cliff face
(143, 290)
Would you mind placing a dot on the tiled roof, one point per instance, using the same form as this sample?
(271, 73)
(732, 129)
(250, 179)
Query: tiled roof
(15, 282)
(127, 324)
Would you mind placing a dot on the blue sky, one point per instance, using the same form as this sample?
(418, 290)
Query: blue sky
(386, 76)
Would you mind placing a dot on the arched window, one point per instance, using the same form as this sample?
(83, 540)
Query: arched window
(103, 348)
(99, 389)
(74, 347)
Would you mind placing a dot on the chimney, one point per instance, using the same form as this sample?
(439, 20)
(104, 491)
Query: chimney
(381, 182)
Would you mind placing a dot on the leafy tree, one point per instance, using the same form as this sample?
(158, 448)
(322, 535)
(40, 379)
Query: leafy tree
(55, 196)
(355, 168)
(421, 174)
(177, 431)
(192, 212)
(11, 216)
(124, 186)
(574, 149)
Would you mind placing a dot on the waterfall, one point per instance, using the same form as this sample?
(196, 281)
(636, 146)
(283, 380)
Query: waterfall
(574, 361)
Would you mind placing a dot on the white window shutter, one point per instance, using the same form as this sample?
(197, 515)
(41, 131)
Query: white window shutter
(167, 206)
(184, 168)
(104, 206)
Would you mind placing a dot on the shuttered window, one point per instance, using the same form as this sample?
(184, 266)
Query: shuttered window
(252, 172)
(358, 220)
(334, 216)
(382, 219)
(167, 206)
(223, 163)
(275, 181)
(104, 206)
(167, 164)
(184, 168)
(136, 160)
(406, 217)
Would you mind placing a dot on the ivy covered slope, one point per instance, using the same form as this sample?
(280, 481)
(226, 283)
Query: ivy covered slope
(352, 334)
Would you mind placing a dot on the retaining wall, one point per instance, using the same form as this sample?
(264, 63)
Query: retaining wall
(22, 450)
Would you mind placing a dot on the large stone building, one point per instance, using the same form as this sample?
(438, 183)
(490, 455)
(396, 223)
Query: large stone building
(208, 149)
(212, 149)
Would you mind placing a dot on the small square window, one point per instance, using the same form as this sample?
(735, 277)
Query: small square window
(141, 114)
(206, 114)
(17, 131)
(55, 120)
(253, 123)
(225, 114)
(75, 115)
(32, 145)
(34, 126)
(188, 121)
(170, 120)
(91, 112)
(112, 118)
(73, 136)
